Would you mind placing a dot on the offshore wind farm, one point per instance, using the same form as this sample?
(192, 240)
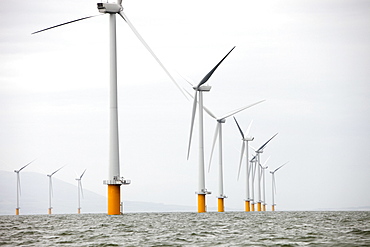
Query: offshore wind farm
(309, 66)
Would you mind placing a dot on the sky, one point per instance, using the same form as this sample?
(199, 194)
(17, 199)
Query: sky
(309, 60)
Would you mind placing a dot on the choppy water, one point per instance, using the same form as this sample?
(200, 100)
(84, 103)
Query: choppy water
(189, 229)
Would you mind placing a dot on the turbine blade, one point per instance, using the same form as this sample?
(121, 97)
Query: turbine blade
(248, 129)
(192, 120)
(51, 187)
(56, 171)
(240, 109)
(241, 159)
(213, 145)
(204, 107)
(19, 183)
(80, 19)
(264, 145)
(273, 183)
(205, 79)
(188, 80)
(82, 173)
(26, 165)
(263, 166)
(82, 192)
(281, 166)
(241, 132)
(124, 16)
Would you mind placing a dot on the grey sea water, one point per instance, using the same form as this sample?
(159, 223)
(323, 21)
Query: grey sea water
(189, 229)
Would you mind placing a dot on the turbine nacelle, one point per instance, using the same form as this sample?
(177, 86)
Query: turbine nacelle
(110, 8)
(223, 120)
(248, 138)
(203, 88)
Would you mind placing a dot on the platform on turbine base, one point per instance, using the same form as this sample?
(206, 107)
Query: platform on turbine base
(203, 192)
(118, 181)
(221, 196)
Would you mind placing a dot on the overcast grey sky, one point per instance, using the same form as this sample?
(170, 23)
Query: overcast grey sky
(310, 60)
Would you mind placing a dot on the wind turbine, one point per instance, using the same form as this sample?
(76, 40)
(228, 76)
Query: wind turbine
(115, 181)
(19, 186)
(263, 169)
(274, 186)
(258, 152)
(245, 140)
(253, 164)
(51, 188)
(218, 134)
(79, 189)
(198, 97)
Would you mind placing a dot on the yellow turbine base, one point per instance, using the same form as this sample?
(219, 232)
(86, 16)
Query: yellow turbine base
(263, 207)
(17, 211)
(114, 199)
(253, 207)
(258, 206)
(201, 203)
(220, 202)
(49, 210)
(273, 208)
(79, 210)
(247, 206)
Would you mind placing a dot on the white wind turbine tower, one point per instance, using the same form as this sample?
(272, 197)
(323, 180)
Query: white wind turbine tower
(114, 179)
(80, 191)
(19, 186)
(245, 147)
(258, 152)
(202, 191)
(218, 134)
(274, 186)
(51, 188)
(263, 169)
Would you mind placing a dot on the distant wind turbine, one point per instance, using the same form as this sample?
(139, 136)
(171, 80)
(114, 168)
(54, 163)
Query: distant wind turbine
(218, 134)
(253, 167)
(51, 188)
(202, 191)
(274, 186)
(245, 146)
(19, 186)
(258, 152)
(79, 191)
(115, 181)
(263, 169)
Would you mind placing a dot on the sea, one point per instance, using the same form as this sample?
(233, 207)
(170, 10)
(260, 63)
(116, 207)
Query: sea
(318, 228)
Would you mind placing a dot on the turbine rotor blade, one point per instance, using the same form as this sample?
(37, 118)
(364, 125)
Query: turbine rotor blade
(264, 145)
(124, 16)
(240, 109)
(241, 132)
(56, 171)
(26, 165)
(192, 120)
(82, 174)
(19, 183)
(82, 192)
(248, 129)
(51, 187)
(205, 79)
(80, 19)
(281, 166)
(241, 159)
(213, 145)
